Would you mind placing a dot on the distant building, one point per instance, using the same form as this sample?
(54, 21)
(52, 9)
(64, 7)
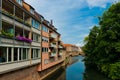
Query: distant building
(71, 49)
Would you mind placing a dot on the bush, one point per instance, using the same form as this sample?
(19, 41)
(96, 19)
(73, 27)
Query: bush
(114, 71)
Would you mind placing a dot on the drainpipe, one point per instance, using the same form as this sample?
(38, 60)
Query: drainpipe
(41, 43)
(0, 18)
(14, 25)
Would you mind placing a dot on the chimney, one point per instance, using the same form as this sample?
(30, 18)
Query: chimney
(51, 22)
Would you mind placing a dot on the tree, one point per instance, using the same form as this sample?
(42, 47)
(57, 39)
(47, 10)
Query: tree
(90, 45)
(103, 46)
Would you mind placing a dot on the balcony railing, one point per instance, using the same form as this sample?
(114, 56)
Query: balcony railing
(53, 35)
(52, 45)
(53, 55)
(60, 57)
(51, 60)
(13, 40)
(6, 39)
(60, 46)
(15, 17)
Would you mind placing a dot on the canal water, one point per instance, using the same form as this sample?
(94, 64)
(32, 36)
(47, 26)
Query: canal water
(77, 71)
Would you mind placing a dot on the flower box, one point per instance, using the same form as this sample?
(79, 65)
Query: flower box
(20, 38)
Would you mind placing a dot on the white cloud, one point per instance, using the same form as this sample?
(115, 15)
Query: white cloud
(56, 10)
(99, 3)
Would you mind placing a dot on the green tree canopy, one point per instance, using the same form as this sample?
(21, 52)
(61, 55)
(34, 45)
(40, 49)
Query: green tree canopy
(103, 46)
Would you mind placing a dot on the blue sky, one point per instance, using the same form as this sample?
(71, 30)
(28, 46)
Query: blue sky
(72, 18)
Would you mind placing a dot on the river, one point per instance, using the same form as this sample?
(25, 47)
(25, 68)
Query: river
(77, 71)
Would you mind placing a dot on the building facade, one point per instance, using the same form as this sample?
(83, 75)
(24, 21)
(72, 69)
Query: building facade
(26, 38)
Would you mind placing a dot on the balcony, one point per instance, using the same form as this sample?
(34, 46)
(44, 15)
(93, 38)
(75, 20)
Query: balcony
(52, 54)
(15, 58)
(13, 66)
(35, 61)
(59, 57)
(20, 16)
(60, 53)
(19, 22)
(35, 43)
(51, 60)
(60, 46)
(52, 45)
(26, 41)
(10, 67)
(11, 35)
(12, 41)
(6, 40)
(52, 35)
(53, 39)
(36, 30)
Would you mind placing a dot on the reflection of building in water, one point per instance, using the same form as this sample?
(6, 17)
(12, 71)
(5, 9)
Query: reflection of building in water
(92, 74)
(62, 76)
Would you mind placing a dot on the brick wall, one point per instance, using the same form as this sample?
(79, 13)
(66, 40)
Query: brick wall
(29, 73)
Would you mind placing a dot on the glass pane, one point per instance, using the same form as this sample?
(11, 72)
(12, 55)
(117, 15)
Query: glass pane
(24, 54)
(20, 54)
(27, 52)
(32, 54)
(15, 54)
(9, 54)
(3, 54)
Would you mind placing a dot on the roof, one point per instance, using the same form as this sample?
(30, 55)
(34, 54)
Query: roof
(69, 45)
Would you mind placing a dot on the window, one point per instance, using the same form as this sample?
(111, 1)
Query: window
(9, 54)
(19, 2)
(44, 49)
(44, 28)
(46, 61)
(32, 11)
(45, 39)
(3, 54)
(36, 37)
(25, 54)
(35, 53)
(20, 53)
(15, 54)
(35, 24)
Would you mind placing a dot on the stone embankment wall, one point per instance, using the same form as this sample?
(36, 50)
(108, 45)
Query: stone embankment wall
(29, 73)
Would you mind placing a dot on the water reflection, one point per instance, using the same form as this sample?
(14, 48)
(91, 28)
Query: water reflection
(91, 74)
(77, 71)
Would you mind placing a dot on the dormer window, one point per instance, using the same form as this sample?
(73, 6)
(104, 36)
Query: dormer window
(32, 11)
(19, 2)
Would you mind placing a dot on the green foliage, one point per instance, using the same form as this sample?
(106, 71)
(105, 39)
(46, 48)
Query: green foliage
(10, 35)
(103, 44)
(86, 39)
(105, 68)
(114, 71)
